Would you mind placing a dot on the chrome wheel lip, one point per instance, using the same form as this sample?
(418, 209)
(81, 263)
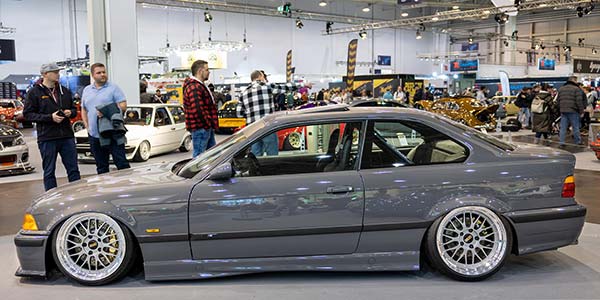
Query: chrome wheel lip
(76, 268)
(144, 150)
(497, 252)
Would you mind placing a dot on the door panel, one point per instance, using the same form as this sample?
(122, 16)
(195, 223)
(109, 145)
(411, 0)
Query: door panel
(286, 215)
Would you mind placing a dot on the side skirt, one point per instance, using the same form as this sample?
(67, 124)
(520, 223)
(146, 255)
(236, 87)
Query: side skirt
(210, 268)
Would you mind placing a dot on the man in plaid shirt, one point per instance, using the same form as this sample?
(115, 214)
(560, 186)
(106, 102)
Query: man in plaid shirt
(200, 109)
(257, 102)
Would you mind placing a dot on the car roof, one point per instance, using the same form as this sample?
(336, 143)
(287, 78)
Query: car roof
(338, 111)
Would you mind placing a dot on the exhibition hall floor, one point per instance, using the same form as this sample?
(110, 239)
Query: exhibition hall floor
(570, 273)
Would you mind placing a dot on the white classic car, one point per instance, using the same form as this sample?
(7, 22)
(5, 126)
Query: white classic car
(14, 153)
(151, 129)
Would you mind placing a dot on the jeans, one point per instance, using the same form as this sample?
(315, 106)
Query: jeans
(68, 154)
(268, 144)
(102, 155)
(571, 118)
(203, 139)
(539, 135)
(524, 116)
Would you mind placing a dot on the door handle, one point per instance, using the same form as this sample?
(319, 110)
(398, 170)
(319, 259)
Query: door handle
(339, 189)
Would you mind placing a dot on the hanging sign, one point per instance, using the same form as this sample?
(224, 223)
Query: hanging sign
(586, 66)
(545, 64)
(351, 66)
(215, 59)
(464, 65)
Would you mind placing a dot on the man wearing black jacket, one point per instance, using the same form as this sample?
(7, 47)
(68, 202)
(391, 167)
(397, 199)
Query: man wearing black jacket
(50, 106)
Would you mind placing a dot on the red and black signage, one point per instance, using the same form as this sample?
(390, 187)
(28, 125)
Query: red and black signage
(586, 66)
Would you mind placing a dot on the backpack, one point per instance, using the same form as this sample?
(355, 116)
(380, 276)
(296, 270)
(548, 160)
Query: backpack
(519, 102)
(538, 106)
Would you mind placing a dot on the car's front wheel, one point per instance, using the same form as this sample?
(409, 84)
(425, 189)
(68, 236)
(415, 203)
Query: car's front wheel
(187, 145)
(469, 243)
(143, 152)
(93, 249)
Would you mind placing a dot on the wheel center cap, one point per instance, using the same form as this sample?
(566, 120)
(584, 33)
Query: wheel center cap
(468, 238)
(93, 245)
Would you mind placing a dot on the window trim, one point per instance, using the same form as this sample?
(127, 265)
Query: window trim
(371, 128)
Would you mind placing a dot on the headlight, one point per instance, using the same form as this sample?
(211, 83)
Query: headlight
(29, 223)
(19, 141)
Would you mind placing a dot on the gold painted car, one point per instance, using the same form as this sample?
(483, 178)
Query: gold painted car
(228, 119)
(465, 110)
(508, 102)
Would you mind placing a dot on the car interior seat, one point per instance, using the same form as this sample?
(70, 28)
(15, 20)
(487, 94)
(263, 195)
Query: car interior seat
(342, 157)
(132, 116)
(334, 139)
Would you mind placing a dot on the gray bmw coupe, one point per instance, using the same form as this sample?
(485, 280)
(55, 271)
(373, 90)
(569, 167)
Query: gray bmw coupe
(369, 189)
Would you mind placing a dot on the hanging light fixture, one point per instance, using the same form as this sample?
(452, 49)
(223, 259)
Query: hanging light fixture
(328, 27)
(419, 35)
(367, 8)
(404, 14)
(207, 17)
(299, 23)
(363, 34)
(501, 18)
(594, 51)
(322, 3)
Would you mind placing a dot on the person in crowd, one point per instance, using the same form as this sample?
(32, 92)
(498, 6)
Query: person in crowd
(257, 102)
(97, 94)
(445, 93)
(201, 118)
(145, 97)
(400, 95)
(523, 102)
(542, 117)
(480, 96)
(158, 97)
(570, 101)
(419, 94)
(321, 95)
(50, 105)
(337, 97)
(280, 102)
(388, 94)
(589, 108)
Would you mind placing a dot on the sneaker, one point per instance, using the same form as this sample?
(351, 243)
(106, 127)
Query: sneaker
(562, 146)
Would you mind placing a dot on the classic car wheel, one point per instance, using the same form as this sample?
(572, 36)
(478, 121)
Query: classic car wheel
(143, 152)
(93, 249)
(186, 146)
(469, 243)
(78, 126)
(293, 141)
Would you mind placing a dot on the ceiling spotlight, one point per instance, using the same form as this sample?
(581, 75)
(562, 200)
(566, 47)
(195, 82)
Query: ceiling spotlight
(404, 14)
(505, 43)
(580, 42)
(419, 36)
(285, 9)
(537, 47)
(323, 3)
(444, 30)
(299, 23)
(470, 40)
(363, 34)
(207, 17)
(501, 18)
(455, 7)
(567, 48)
(594, 51)
(515, 35)
(517, 3)
(435, 19)
(580, 12)
(328, 27)
(367, 8)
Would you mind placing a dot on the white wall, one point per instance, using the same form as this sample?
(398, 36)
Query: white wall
(43, 33)
(272, 37)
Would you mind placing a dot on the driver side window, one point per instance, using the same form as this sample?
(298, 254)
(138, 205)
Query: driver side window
(161, 117)
(301, 149)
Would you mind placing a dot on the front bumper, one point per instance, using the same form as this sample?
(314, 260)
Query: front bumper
(31, 252)
(84, 153)
(547, 228)
(15, 161)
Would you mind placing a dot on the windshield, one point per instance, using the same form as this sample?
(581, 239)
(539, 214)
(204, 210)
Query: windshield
(484, 136)
(206, 159)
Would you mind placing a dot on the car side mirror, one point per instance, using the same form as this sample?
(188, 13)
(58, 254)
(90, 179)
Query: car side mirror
(222, 172)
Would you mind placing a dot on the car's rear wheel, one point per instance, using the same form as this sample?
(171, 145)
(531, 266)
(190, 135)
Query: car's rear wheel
(93, 249)
(293, 141)
(187, 145)
(143, 152)
(469, 243)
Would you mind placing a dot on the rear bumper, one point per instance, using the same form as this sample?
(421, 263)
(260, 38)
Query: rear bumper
(548, 228)
(31, 252)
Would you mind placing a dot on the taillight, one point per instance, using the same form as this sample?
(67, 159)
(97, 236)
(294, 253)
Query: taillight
(568, 190)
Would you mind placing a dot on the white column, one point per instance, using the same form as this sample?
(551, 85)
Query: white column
(113, 41)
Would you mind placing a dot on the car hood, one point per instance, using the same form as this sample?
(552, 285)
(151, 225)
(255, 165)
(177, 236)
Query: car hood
(112, 185)
(489, 110)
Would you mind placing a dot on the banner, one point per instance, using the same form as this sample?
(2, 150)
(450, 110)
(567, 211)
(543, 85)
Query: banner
(586, 66)
(215, 59)
(545, 64)
(505, 83)
(288, 67)
(351, 66)
(464, 65)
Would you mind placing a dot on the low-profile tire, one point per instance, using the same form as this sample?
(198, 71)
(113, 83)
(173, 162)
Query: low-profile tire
(93, 249)
(143, 152)
(293, 141)
(77, 126)
(187, 145)
(469, 243)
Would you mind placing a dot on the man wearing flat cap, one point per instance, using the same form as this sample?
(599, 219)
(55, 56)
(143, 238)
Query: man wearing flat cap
(51, 107)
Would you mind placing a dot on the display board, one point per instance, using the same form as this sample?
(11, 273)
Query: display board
(384, 60)
(469, 47)
(586, 66)
(464, 65)
(545, 64)
(215, 59)
(411, 88)
(7, 50)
